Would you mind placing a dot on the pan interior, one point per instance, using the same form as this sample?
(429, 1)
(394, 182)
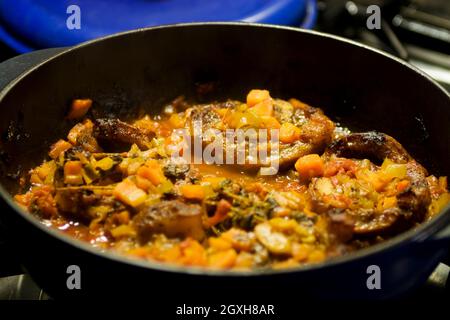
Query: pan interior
(144, 70)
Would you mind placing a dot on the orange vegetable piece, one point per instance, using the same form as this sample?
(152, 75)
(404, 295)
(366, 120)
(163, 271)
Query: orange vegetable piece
(193, 192)
(24, 199)
(223, 207)
(72, 167)
(72, 172)
(127, 192)
(256, 96)
(79, 108)
(143, 183)
(219, 244)
(402, 185)
(316, 256)
(310, 166)
(264, 108)
(140, 252)
(171, 255)
(152, 171)
(269, 122)
(300, 252)
(289, 133)
(244, 260)
(193, 253)
(223, 259)
(59, 147)
(176, 121)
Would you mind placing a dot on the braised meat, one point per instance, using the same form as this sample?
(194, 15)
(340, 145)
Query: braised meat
(173, 218)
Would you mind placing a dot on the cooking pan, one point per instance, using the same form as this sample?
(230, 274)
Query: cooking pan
(357, 86)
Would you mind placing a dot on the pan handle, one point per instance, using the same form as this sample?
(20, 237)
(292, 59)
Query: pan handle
(9, 70)
(12, 68)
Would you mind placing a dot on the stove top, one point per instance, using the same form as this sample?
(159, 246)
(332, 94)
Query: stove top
(417, 31)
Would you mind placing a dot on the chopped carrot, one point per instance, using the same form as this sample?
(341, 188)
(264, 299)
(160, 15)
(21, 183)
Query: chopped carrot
(171, 254)
(244, 260)
(143, 183)
(289, 133)
(316, 256)
(223, 259)
(140, 252)
(122, 217)
(219, 244)
(59, 147)
(176, 121)
(73, 172)
(264, 108)
(24, 199)
(310, 166)
(223, 207)
(72, 167)
(402, 185)
(256, 96)
(79, 108)
(193, 253)
(152, 171)
(192, 192)
(127, 192)
(269, 122)
(300, 252)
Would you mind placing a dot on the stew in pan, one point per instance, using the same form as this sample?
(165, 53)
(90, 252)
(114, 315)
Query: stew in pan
(116, 185)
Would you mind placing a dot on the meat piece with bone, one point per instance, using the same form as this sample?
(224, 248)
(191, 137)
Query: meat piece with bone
(315, 129)
(411, 204)
(172, 218)
(116, 131)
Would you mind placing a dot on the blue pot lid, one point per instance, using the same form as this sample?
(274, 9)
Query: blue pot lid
(42, 23)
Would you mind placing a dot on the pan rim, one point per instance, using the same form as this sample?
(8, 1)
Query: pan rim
(417, 235)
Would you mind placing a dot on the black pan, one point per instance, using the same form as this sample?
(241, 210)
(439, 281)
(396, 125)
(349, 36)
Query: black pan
(357, 86)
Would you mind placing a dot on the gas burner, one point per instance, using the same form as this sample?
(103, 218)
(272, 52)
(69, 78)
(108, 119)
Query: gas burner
(416, 31)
